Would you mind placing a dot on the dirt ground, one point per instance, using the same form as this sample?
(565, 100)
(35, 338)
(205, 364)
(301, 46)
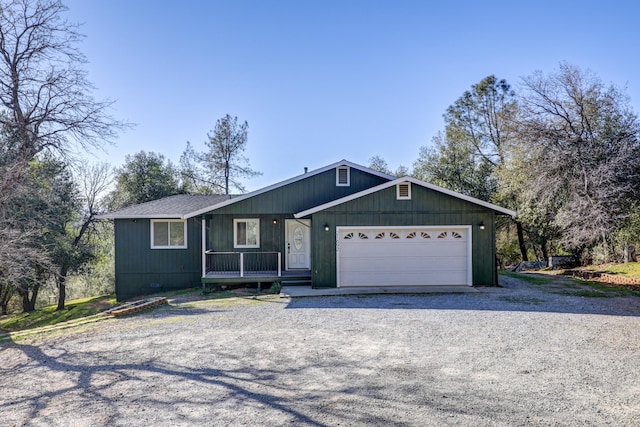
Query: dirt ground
(526, 354)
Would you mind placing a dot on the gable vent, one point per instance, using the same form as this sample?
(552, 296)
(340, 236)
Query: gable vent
(403, 191)
(343, 176)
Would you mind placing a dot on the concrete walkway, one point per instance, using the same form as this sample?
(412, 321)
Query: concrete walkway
(307, 291)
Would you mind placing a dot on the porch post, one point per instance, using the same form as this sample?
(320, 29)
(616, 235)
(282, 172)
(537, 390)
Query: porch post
(241, 264)
(204, 246)
(279, 264)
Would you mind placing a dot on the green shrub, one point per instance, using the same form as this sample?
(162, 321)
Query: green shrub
(276, 287)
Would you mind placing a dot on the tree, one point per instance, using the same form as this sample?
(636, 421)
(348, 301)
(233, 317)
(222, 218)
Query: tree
(46, 96)
(76, 247)
(479, 128)
(46, 109)
(6, 293)
(378, 163)
(454, 165)
(59, 219)
(42, 204)
(144, 177)
(585, 154)
(193, 174)
(222, 165)
(482, 119)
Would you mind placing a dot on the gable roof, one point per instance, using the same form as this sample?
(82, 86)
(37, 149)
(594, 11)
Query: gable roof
(178, 206)
(287, 182)
(385, 185)
(184, 206)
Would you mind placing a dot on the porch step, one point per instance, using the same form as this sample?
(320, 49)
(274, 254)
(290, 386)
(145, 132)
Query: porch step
(296, 282)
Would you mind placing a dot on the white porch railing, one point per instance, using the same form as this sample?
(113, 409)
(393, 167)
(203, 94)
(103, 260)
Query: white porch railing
(242, 264)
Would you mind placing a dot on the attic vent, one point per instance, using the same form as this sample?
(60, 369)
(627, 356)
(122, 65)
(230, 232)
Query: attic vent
(343, 176)
(403, 191)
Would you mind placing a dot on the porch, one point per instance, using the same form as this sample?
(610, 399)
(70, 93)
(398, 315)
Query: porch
(249, 267)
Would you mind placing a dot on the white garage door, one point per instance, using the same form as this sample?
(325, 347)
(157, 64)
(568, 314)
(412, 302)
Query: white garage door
(403, 256)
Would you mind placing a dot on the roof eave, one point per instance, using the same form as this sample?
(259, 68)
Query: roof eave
(495, 208)
(152, 216)
(289, 181)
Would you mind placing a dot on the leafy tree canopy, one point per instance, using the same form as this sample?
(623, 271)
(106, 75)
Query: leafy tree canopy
(144, 177)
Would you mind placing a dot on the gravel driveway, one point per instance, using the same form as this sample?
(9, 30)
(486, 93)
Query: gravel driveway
(524, 354)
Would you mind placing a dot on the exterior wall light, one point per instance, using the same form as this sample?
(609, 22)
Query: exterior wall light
(326, 227)
(481, 225)
(275, 221)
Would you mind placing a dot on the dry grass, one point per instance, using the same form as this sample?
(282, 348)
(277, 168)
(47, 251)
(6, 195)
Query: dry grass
(628, 269)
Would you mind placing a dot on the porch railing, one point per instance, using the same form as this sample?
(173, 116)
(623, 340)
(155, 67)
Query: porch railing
(243, 264)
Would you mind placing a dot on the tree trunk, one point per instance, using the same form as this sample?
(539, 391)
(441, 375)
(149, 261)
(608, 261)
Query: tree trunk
(62, 293)
(62, 287)
(29, 296)
(545, 251)
(227, 172)
(523, 249)
(6, 291)
(29, 301)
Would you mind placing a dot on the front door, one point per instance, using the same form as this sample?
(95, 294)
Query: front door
(298, 244)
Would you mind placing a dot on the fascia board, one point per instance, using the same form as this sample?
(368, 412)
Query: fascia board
(400, 180)
(154, 216)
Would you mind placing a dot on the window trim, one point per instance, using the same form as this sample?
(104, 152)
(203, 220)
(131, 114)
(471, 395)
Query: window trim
(408, 196)
(338, 183)
(169, 221)
(235, 232)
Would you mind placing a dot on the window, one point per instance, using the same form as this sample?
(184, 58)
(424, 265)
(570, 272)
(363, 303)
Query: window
(343, 176)
(403, 191)
(168, 234)
(246, 233)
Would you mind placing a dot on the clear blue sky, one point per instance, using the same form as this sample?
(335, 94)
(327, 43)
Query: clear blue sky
(319, 81)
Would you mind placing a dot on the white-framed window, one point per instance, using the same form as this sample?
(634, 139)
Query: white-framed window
(343, 176)
(168, 234)
(246, 233)
(403, 191)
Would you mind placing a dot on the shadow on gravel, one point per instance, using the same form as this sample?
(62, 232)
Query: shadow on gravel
(557, 296)
(105, 384)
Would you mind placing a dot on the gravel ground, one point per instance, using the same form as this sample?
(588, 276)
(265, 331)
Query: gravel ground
(524, 354)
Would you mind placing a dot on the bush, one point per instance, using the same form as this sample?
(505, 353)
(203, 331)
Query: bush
(276, 287)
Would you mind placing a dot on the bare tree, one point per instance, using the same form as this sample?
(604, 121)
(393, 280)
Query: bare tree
(46, 107)
(20, 250)
(46, 96)
(585, 154)
(29, 223)
(93, 182)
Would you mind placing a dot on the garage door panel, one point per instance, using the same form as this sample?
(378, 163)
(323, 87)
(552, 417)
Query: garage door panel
(410, 263)
(446, 250)
(408, 279)
(388, 256)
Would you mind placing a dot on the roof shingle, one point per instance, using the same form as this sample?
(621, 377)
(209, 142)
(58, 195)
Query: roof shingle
(177, 206)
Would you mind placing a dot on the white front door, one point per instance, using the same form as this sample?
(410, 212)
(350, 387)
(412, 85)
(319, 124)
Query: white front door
(298, 244)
